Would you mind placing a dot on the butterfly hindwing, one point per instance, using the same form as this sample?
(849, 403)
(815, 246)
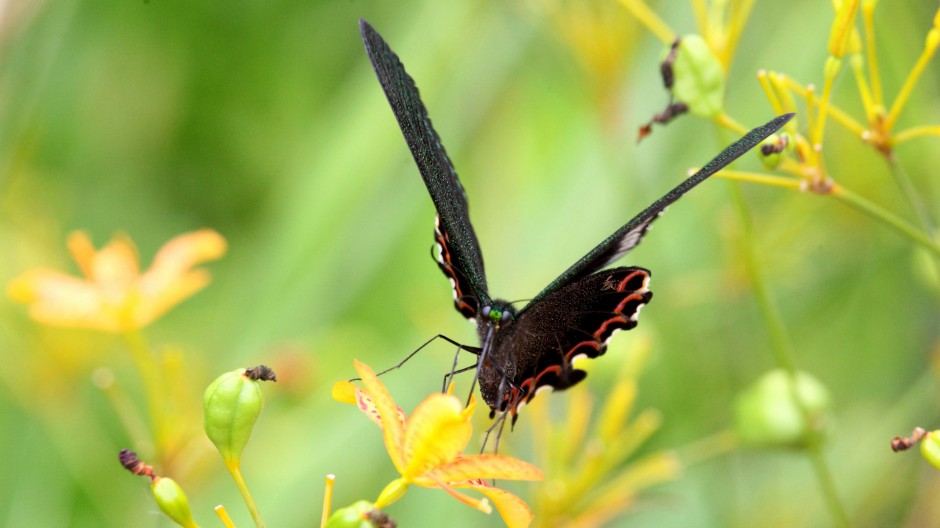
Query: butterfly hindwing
(576, 320)
(459, 255)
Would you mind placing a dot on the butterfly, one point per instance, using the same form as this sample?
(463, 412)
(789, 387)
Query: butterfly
(525, 350)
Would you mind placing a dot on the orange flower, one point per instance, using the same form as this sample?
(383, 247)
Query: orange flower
(114, 296)
(427, 449)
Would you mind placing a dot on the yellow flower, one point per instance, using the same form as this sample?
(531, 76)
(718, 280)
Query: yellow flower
(427, 449)
(594, 474)
(114, 296)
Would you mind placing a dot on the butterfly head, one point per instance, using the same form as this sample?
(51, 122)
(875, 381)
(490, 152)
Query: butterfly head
(498, 313)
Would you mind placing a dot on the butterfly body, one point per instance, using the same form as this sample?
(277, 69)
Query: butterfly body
(525, 350)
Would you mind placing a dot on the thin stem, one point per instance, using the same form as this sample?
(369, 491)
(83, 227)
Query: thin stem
(930, 46)
(858, 71)
(839, 115)
(762, 179)
(915, 132)
(845, 196)
(783, 354)
(728, 122)
(826, 482)
(768, 307)
(127, 413)
(327, 499)
(705, 449)
(871, 53)
(223, 515)
(150, 375)
(236, 472)
(701, 17)
(886, 218)
(913, 197)
(648, 18)
(739, 15)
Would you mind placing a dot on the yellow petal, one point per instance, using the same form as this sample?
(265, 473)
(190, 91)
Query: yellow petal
(515, 512)
(478, 504)
(156, 297)
(60, 300)
(187, 250)
(395, 490)
(436, 434)
(82, 251)
(344, 392)
(393, 426)
(116, 266)
(487, 466)
(170, 280)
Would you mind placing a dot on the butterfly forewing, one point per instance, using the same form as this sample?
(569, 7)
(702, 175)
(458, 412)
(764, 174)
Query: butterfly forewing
(573, 321)
(627, 237)
(459, 255)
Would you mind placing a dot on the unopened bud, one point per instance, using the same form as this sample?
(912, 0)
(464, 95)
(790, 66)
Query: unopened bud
(232, 405)
(171, 499)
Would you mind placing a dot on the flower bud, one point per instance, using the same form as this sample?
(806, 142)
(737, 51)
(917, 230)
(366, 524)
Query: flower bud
(232, 404)
(362, 514)
(771, 150)
(930, 448)
(699, 79)
(766, 414)
(395, 490)
(171, 499)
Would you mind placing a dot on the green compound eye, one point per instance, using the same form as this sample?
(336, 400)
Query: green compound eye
(495, 315)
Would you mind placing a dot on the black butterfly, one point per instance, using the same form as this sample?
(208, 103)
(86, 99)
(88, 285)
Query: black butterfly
(534, 347)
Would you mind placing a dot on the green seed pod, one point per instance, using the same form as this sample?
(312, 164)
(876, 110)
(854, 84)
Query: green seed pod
(767, 415)
(356, 515)
(930, 448)
(171, 499)
(232, 404)
(699, 79)
(771, 150)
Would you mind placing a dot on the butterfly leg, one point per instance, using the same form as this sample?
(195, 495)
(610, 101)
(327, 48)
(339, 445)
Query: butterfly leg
(499, 423)
(472, 350)
(454, 371)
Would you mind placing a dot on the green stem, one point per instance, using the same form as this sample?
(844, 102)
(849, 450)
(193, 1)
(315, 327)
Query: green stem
(783, 354)
(236, 472)
(707, 448)
(150, 375)
(910, 192)
(878, 213)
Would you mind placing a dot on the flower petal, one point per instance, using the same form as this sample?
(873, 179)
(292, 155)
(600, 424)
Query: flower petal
(116, 266)
(393, 419)
(344, 392)
(185, 251)
(436, 434)
(171, 279)
(60, 300)
(478, 504)
(515, 512)
(487, 466)
(83, 251)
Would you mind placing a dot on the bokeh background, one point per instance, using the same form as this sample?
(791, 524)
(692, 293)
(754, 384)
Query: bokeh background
(264, 121)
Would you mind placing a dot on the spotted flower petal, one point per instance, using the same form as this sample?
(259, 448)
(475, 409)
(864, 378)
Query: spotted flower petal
(392, 419)
(426, 449)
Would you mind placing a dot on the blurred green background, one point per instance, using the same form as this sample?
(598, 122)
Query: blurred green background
(263, 120)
